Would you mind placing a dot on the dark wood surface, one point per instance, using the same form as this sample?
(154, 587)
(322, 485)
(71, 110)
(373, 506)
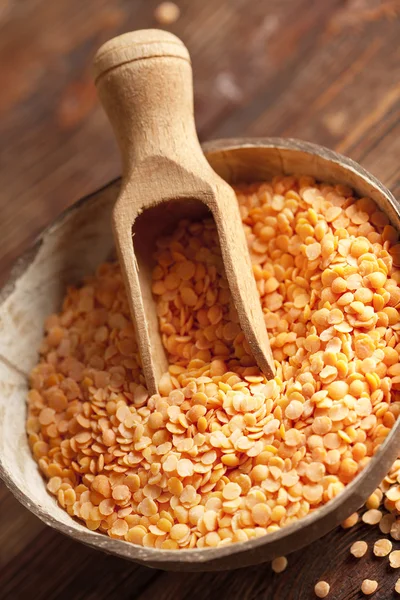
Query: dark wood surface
(327, 71)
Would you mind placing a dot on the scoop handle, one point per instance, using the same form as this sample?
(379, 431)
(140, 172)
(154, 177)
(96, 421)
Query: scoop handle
(144, 80)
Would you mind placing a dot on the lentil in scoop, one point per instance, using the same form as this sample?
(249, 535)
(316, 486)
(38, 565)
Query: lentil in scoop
(222, 455)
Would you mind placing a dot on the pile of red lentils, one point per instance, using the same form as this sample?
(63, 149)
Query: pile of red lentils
(222, 455)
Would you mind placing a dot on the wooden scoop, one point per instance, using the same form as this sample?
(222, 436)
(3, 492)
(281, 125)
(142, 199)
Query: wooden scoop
(144, 80)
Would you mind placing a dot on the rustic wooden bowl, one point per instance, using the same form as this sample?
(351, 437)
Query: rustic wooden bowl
(72, 247)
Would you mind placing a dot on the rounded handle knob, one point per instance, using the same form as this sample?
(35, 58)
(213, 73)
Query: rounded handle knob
(137, 45)
(144, 80)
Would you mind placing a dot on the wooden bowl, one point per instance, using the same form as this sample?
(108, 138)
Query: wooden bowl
(72, 247)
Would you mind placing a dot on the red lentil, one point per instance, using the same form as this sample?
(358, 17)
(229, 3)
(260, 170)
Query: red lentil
(321, 589)
(279, 564)
(382, 547)
(222, 455)
(358, 549)
(369, 586)
(167, 13)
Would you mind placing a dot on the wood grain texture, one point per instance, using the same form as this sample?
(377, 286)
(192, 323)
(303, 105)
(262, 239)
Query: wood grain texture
(327, 72)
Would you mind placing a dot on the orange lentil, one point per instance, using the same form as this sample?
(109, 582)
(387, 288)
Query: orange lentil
(279, 564)
(358, 549)
(167, 13)
(382, 547)
(222, 455)
(394, 559)
(395, 529)
(372, 516)
(321, 589)
(369, 586)
(386, 523)
(350, 521)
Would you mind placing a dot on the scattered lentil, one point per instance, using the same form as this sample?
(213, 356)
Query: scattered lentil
(386, 523)
(167, 13)
(359, 548)
(372, 516)
(350, 521)
(394, 559)
(279, 564)
(369, 586)
(222, 455)
(382, 547)
(321, 589)
(395, 530)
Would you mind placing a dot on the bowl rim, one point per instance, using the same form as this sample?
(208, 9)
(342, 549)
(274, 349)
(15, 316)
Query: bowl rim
(318, 522)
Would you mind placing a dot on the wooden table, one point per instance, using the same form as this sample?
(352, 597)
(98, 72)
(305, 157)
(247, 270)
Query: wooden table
(327, 71)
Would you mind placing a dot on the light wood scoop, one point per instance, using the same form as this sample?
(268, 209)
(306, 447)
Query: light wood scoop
(144, 80)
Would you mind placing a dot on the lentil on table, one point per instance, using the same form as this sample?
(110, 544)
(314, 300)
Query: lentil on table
(222, 455)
